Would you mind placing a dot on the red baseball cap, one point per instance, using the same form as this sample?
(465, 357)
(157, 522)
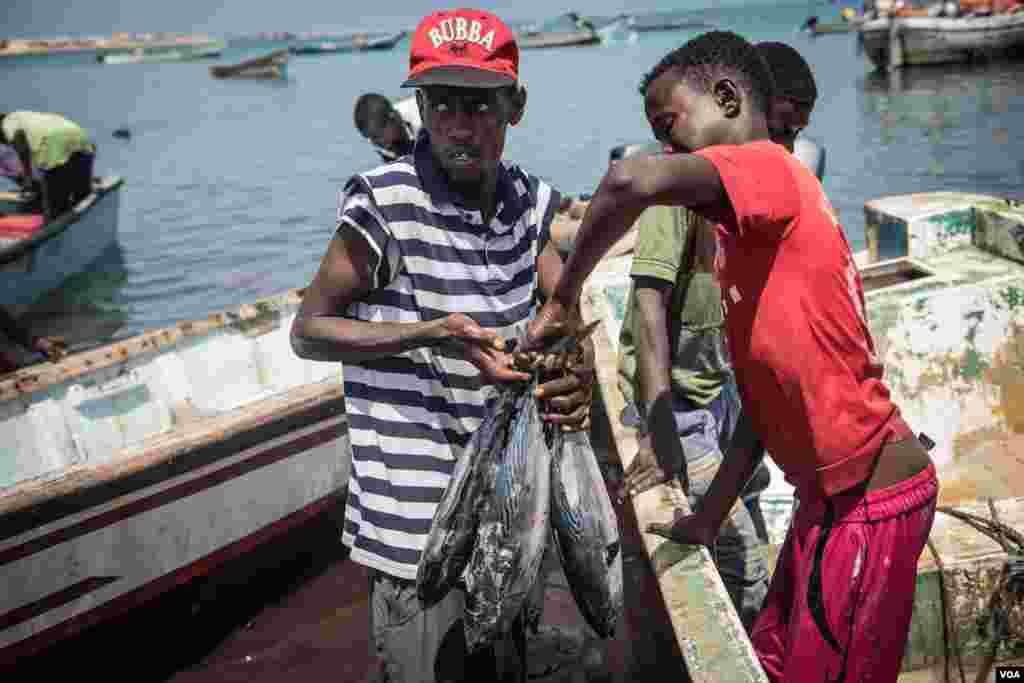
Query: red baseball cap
(466, 48)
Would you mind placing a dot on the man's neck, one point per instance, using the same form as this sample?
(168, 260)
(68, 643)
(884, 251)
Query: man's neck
(481, 196)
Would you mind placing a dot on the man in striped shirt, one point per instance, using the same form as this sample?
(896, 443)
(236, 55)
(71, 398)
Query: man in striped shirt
(437, 256)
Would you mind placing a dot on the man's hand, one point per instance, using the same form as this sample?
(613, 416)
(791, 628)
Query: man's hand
(568, 397)
(644, 472)
(686, 529)
(482, 347)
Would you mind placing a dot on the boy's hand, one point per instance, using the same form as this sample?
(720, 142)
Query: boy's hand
(552, 321)
(686, 529)
(53, 348)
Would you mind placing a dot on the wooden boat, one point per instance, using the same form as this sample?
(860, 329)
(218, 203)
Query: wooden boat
(913, 40)
(356, 43)
(144, 55)
(944, 281)
(530, 40)
(39, 260)
(654, 23)
(272, 65)
(132, 468)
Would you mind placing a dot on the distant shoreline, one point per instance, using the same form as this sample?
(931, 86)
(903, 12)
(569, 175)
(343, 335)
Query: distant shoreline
(47, 46)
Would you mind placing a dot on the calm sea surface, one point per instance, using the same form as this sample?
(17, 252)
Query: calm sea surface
(231, 185)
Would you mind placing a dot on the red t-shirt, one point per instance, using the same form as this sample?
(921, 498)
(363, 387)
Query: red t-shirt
(803, 354)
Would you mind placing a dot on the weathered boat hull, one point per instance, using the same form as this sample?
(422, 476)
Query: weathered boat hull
(183, 53)
(944, 283)
(65, 246)
(938, 40)
(530, 41)
(272, 65)
(355, 44)
(135, 467)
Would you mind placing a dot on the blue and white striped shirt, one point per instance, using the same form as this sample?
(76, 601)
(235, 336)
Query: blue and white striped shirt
(410, 415)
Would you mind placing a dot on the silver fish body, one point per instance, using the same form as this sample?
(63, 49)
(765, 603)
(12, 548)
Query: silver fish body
(454, 527)
(514, 528)
(586, 532)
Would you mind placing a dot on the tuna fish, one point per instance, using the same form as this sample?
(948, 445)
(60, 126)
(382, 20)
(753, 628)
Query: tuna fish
(514, 526)
(586, 532)
(454, 527)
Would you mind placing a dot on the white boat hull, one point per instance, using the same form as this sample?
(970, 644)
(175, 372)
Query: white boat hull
(938, 40)
(130, 469)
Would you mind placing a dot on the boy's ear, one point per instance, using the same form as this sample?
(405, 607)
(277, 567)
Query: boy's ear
(518, 105)
(728, 97)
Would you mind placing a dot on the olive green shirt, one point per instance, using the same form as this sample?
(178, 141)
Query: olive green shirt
(700, 360)
(52, 139)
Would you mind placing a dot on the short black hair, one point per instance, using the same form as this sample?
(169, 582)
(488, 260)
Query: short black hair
(372, 107)
(792, 73)
(718, 54)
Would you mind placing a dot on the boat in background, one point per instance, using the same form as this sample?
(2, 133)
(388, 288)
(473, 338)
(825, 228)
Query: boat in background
(816, 27)
(646, 23)
(132, 468)
(893, 42)
(565, 30)
(272, 65)
(178, 53)
(359, 42)
(37, 256)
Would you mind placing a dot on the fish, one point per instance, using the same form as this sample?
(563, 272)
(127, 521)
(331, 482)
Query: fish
(514, 526)
(453, 529)
(586, 532)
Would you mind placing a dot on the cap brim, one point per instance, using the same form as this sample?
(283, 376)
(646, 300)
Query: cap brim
(459, 77)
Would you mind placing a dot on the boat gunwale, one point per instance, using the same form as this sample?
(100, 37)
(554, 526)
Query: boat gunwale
(34, 378)
(59, 225)
(166, 447)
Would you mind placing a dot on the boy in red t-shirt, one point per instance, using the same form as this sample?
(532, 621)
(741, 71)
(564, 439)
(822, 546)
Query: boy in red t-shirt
(840, 601)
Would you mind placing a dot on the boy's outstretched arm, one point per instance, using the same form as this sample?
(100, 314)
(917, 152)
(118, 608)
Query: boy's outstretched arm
(629, 187)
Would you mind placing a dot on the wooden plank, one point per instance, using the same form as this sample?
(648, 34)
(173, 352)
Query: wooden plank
(707, 627)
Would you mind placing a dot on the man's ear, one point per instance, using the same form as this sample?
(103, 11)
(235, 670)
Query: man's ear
(728, 97)
(518, 105)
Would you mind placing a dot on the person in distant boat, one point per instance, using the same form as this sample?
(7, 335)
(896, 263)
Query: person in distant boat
(391, 127)
(437, 257)
(841, 598)
(18, 347)
(56, 157)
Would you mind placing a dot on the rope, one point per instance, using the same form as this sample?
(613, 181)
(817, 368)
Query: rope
(1012, 543)
(946, 619)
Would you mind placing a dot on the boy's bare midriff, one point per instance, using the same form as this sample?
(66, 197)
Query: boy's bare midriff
(898, 461)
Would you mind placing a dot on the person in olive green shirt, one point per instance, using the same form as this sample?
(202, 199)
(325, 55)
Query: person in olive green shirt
(673, 336)
(55, 153)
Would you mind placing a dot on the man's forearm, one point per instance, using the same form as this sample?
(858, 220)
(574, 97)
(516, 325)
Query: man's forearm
(330, 338)
(654, 370)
